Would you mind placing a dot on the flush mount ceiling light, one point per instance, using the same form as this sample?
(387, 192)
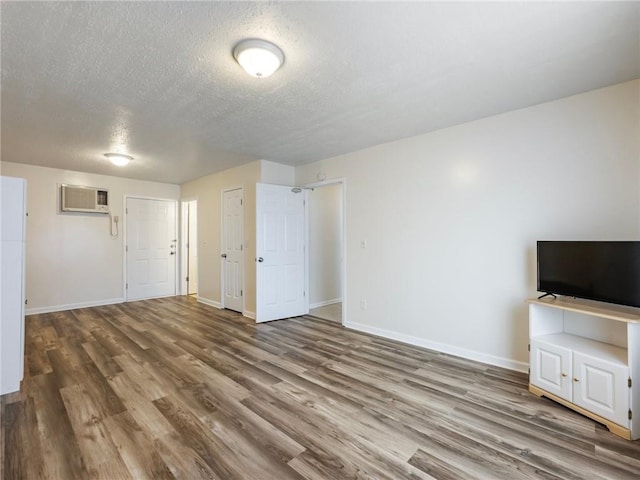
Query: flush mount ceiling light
(118, 159)
(258, 57)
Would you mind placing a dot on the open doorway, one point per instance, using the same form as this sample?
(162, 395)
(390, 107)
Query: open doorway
(189, 271)
(326, 250)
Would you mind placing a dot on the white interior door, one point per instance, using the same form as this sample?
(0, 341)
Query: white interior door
(233, 249)
(151, 248)
(280, 253)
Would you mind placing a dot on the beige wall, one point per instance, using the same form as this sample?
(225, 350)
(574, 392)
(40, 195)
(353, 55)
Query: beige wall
(325, 245)
(71, 259)
(208, 191)
(451, 217)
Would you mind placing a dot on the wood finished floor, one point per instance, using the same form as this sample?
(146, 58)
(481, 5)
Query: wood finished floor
(172, 388)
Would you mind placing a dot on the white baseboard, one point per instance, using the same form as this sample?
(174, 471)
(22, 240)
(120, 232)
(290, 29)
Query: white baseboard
(211, 303)
(72, 306)
(325, 303)
(248, 314)
(442, 347)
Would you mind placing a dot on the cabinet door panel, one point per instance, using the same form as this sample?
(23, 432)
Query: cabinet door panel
(551, 368)
(601, 387)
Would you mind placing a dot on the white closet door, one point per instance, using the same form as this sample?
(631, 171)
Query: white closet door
(233, 249)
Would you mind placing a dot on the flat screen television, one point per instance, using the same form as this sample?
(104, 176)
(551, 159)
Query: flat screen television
(604, 271)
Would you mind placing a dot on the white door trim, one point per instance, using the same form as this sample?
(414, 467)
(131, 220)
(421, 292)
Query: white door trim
(244, 247)
(184, 257)
(334, 181)
(124, 239)
(183, 247)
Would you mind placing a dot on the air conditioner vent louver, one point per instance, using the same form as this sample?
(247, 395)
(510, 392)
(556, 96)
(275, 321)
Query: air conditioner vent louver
(75, 198)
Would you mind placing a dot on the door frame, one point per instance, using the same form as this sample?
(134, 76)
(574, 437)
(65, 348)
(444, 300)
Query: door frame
(244, 247)
(124, 240)
(184, 256)
(324, 183)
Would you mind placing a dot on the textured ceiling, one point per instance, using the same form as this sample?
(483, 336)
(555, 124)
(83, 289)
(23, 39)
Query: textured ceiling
(158, 80)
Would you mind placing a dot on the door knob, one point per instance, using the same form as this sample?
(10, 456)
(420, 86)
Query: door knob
(224, 255)
(260, 259)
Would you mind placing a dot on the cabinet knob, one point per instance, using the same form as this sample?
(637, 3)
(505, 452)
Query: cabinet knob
(575, 379)
(564, 374)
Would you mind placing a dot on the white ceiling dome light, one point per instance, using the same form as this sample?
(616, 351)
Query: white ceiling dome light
(119, 159)
(259, 58)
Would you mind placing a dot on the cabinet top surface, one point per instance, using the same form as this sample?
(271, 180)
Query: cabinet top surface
(620, 313)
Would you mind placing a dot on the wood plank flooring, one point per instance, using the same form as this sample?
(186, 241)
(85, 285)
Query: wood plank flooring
(170, 388)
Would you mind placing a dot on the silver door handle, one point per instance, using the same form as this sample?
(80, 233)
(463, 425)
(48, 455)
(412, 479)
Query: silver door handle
(224, 255)
(260, 259)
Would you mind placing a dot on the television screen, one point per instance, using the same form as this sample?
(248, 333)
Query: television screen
(605, 271)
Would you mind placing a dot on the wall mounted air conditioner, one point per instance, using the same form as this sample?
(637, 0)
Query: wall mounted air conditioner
(75, 198)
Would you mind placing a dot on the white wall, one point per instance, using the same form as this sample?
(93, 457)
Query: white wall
(451, 217)
(71, 259)
(325, 245)
(276, 173)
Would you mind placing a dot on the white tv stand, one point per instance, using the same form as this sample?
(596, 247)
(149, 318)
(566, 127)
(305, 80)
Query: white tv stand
(586, 356)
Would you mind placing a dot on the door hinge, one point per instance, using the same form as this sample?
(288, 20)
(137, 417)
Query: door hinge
(240, 292)
(629, 382)
(241, 248)
(529, 348)
(529, 371)
(26, 302)
(187, 279)
(240, 201)
(127, 286)
(304, 294)
(126, 210)
(126, 248)
(630, 414)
